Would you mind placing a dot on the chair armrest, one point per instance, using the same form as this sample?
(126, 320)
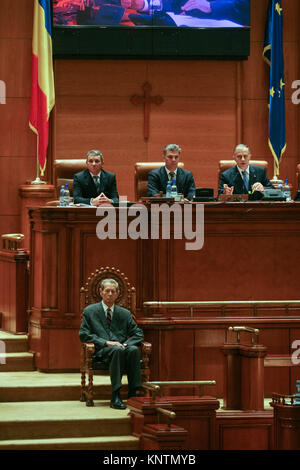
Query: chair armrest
(146, 349)
(88, 349)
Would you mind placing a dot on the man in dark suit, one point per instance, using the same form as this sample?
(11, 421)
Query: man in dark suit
(116, 337)
(243, 178)
(158, 179)
(94, 186)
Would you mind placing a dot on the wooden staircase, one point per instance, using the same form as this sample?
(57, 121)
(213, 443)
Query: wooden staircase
(42, 410)
(14, 353)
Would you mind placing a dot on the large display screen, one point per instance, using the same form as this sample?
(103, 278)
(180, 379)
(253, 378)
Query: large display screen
(177, 23)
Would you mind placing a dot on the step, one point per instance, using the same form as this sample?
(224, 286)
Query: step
(41, 386)
(16, 361)
(13, 343)
(80, 443)
(56, 420)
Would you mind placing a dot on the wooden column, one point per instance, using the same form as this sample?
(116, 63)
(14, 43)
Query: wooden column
(33, 195)
(252, 377)
(232, 385)
(14, 290)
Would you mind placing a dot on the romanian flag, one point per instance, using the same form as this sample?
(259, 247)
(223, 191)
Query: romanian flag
(273, 54)
(42, 86)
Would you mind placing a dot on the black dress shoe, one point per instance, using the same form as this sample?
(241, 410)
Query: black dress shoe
(116, 402)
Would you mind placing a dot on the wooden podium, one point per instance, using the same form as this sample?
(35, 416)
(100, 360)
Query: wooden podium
(286, 422)
(244, 375)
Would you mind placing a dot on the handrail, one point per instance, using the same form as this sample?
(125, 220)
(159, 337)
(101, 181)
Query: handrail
(221, 303)
(157, 386)
(248, 329)
(280, 399)
(11, 241)
(170, 415)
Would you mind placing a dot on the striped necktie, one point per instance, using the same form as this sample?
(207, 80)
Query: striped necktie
(108, 317)
(246, 180)
(97, 183)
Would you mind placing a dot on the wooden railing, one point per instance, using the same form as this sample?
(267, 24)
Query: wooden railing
(220, 306)
(157, 387)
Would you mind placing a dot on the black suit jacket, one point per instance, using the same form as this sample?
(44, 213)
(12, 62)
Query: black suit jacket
(232, 177)
(158, 179)
(94, 327)
(84, 187)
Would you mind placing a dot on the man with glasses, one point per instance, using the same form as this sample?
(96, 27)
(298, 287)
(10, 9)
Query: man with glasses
(95, 186)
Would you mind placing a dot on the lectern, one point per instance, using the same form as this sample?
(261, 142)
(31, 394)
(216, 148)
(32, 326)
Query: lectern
(244, 371)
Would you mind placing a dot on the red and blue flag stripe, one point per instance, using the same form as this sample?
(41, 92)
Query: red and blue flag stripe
(42, 85)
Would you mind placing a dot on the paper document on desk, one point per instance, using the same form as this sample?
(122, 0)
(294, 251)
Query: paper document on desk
(192, 21)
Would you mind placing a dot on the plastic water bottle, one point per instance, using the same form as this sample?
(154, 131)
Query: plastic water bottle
(169, 190)
(286, 191)
(280, 187)
(61, 196)
(174, 189)
(67, 195)
(155, 6)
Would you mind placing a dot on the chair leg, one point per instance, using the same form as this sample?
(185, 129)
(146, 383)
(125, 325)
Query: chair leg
(89, 395)
(83, 387)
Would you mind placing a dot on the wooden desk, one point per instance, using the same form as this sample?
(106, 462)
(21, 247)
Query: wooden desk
(251, 251)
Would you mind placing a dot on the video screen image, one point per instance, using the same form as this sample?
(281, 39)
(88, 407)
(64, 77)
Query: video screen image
(151, 13)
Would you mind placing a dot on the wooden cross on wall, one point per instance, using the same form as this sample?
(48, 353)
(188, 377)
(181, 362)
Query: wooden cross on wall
(146, 100)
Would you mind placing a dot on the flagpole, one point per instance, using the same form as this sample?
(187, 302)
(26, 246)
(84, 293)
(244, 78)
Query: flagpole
(37, 179)
(275, 180)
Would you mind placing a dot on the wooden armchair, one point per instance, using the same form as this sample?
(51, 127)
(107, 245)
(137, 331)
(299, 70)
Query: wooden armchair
(141, 171)
(90, 294)
(64, 171)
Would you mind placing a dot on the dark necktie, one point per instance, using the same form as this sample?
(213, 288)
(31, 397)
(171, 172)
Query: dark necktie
(97, 183)
(246, 180)
(172, 176)
(108, 317)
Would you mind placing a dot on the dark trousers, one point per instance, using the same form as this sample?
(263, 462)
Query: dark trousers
(121, 361)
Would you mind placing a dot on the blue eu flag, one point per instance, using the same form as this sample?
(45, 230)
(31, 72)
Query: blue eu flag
(273, 54)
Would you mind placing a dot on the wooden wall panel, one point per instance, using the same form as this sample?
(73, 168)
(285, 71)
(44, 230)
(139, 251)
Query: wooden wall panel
(213, 263)
(109, 253)
(236, 433)
(10, 202)
(16, 19)
(17, 142)
(9, 224)
(173, 344)
(16, 139)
